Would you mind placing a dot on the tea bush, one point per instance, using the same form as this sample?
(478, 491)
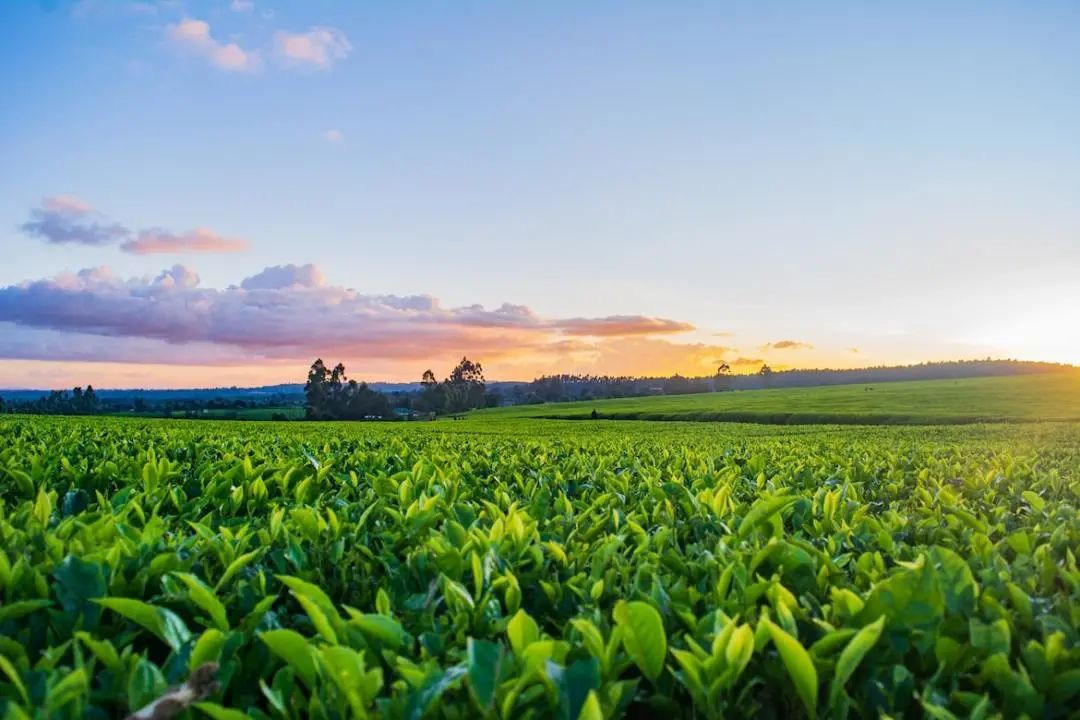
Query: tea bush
(532, 569)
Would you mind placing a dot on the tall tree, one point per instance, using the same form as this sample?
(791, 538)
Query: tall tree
(90, 400)
(331, 395)
(465, 386)
(317, 391)
(432, 394)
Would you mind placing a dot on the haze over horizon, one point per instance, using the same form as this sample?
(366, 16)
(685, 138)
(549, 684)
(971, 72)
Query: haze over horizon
(215, 193)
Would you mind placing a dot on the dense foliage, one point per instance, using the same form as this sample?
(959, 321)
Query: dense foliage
(523, 569)
(57, 402)
(333, 396)
(330, 395)
(463, 389)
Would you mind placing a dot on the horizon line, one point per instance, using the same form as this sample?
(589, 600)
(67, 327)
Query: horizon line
(1052, 365)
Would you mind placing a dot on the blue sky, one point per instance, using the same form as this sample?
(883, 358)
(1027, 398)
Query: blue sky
(902, 180)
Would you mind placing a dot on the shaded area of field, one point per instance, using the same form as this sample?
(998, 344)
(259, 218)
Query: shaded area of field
(1048, 397)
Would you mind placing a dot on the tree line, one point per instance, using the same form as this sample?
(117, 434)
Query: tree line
(57, 402)
(331, 395)
(571, 388)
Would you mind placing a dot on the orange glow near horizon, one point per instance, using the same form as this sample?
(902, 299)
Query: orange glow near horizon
(671, 359)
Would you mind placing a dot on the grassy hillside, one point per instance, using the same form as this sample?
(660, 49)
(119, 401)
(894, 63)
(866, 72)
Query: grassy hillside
(1054, 396)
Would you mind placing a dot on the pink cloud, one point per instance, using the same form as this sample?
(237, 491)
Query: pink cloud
(320, 47)
(199, 240)
(193, 36)
(622, 325)
(63, 219)
(66, 204)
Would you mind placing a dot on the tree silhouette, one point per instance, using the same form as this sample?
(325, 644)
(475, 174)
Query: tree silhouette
(331, 395)
(465, 387)
(432, 395)
(723, 379)
(317, 391)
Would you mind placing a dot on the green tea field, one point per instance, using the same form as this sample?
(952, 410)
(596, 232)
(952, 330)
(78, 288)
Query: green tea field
(1050, 396)
(515, 568)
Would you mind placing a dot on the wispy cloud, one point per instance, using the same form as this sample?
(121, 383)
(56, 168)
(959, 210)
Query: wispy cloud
(241, 6)
(787, 345)
(63, 220)
(333, 136)
(200, 240)
(623, 325)
(320, 47)
(193, 36)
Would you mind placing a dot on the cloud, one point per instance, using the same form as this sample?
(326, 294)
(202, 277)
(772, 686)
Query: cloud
(854, 350)
(241, 6)
(319, 47)
(622, 325)
(63, 220)
(746, 362)
(282, 277)
(178, 277)
(194, 36)
(787, 345)
(290, 313)
(200, 240)
(333, 136)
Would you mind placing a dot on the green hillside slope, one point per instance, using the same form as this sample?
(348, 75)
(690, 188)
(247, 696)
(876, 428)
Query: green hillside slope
(1052, 396)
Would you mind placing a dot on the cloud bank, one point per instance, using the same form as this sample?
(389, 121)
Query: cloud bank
(290, 313)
